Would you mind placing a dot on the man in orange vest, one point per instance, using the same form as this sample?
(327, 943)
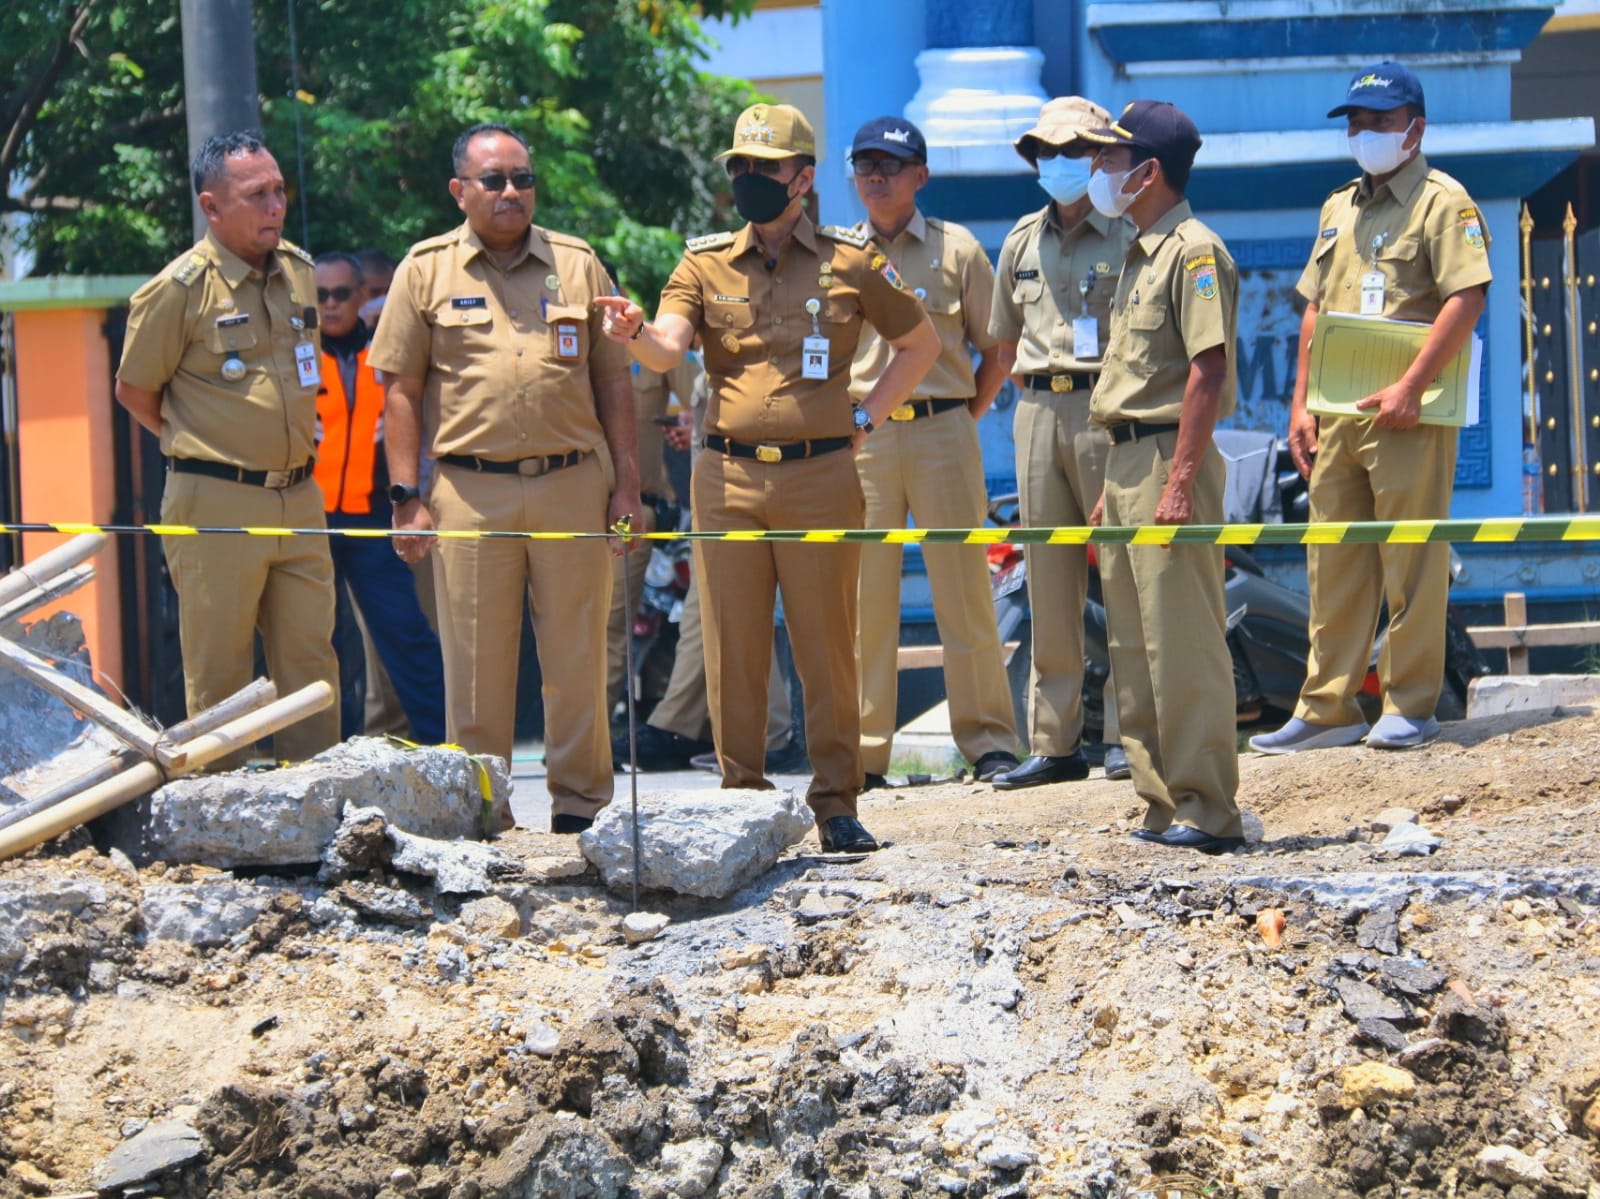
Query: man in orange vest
(354, 479)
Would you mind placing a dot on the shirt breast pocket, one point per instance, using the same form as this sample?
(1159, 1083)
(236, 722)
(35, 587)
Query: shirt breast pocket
(941, 301)
(1027, 291)
(229, 341)
(464, 322)
(1404, 267)
(569, 333)
(1147, 324)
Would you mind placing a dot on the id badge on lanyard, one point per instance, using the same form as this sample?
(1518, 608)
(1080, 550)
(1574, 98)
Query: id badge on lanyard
(1372, 283)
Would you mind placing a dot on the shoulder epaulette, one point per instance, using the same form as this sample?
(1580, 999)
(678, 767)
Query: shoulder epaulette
(1343, 187)
(440, 242)
(285, 244)
(709, 241)
(189, 269)
(1448, 182)
(569, 240)
(850, 237)
(1029, 221)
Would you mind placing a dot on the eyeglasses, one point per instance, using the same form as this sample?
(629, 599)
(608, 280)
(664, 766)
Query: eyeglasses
(495, 181)
(887, 167)
(337, 294)
(740, 165)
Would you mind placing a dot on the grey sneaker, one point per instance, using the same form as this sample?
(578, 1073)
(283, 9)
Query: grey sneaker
(1300, 734)
(1401, 732)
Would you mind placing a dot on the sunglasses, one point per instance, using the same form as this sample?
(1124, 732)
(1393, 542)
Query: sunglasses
(337, 294)
(495, 181)
(741, 165)
(887, 167)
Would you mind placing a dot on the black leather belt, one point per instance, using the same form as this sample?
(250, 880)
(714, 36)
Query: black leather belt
(913, 409)
(275, 479)
(814, 448)
(1071, 381)
(539, 464)
(1134, 429)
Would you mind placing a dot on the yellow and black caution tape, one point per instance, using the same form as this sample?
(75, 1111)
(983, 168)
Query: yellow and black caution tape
(1498, 529)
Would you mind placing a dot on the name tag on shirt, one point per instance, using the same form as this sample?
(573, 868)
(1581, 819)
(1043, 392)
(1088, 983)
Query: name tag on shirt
(814, 358)
(566, 341)
(1372, 293)
(1085, 337)
(230, 322)
(305, 364)
(469, 301)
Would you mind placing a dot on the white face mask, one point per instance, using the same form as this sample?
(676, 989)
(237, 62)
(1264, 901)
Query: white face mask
(1065, 180)
(1106, 194)
(1379, 153)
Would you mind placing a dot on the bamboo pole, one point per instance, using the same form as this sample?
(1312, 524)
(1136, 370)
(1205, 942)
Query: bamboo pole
(39, 572)
(62, 584)
(246, 699)
(139, 779)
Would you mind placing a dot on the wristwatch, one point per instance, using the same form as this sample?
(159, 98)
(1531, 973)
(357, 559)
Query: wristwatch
(863, 421)
(403, 493)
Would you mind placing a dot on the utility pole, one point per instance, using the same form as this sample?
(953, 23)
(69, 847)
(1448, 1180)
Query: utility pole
(219, 73)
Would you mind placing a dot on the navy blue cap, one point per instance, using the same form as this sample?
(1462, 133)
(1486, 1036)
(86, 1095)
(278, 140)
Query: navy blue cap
(894, 136)
(1154, 125)
(1382, 88)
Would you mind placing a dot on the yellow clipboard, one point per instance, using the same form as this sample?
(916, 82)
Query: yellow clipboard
(1354, 356)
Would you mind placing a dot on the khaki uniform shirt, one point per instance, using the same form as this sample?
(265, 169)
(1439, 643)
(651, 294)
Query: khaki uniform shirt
(945, 267)
(1431, 243)
(207, 306)
(754, 320)
(1041, 288)
(508, 357)
(651, 392)
(1178, 297)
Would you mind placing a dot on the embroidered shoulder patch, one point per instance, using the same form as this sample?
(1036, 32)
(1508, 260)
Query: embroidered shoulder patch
(1472, 227)
(881, 264)
(1202, 270)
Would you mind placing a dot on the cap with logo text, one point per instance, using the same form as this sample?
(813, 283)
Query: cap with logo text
(771, 131)
(1381, 88)
(1061, 122)
(895, 136)
(1163, 129)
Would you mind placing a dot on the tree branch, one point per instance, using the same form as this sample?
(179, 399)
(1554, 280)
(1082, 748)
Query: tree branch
(20, 113)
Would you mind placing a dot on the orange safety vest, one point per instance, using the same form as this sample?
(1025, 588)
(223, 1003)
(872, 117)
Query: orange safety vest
(347, 454)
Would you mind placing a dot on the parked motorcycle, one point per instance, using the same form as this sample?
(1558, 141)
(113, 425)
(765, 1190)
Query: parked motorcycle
(1267, 622)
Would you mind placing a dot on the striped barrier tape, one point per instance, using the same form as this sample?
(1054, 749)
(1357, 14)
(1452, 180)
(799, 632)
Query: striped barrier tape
(1499, 529)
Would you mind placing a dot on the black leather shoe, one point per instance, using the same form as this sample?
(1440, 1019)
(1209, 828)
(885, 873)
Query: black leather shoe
(993, 763)
(845, 834)
(1042, 768)
(1181, 836)
(566, 824)
(658, 750)
(874, 782)
(1117, 763)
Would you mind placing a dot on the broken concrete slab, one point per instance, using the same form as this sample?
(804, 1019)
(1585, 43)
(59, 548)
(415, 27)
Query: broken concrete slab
(287, 817)
(28, 908)
(366, 839)
(205, 914)
(703, 843)
(159, 1149)
(1497, 695)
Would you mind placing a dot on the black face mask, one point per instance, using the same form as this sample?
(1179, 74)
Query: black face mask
(759, 198)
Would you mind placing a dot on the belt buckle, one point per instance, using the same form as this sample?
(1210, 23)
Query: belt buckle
(1060, 383)
(277, 480)
(904, 412)
(768, 453)
(535, 466)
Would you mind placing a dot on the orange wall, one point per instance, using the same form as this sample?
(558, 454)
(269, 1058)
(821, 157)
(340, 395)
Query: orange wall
(64, 436)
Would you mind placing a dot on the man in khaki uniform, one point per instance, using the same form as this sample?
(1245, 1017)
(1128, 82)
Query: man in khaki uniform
(1169, 375)
(1406, 242)
(222, 363)
(926, 462)
(492, 350)
(1058, 272)
(780, 305)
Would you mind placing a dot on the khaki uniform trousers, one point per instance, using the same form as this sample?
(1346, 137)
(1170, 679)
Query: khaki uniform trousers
(685, 709)
(931, 469)
(1169, 656)
(818, 584)
(1061, 471)
(1366, 473)
(567, 585)
(231, 586)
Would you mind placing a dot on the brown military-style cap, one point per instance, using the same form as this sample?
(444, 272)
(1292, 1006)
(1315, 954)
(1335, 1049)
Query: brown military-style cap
(1062, 121)
(771, 131)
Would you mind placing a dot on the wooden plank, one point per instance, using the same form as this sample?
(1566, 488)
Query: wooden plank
(1530, 636)
(926, 657)
(119, 723)
(1516, 607)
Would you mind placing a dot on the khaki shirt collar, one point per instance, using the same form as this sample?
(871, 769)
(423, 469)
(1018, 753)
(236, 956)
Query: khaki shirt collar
(1403, 186)
(236, 270)
(1150, 240)
(745, 240)
(916, 227)
(1096, 220)
(535, 244)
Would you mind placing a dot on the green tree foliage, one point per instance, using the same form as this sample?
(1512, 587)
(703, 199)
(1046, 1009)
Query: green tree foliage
(621, 122)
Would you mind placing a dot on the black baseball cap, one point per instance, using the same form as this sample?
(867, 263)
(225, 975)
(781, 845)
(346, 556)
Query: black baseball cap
(1153, 125)
(1382, 88)
(894, 136)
